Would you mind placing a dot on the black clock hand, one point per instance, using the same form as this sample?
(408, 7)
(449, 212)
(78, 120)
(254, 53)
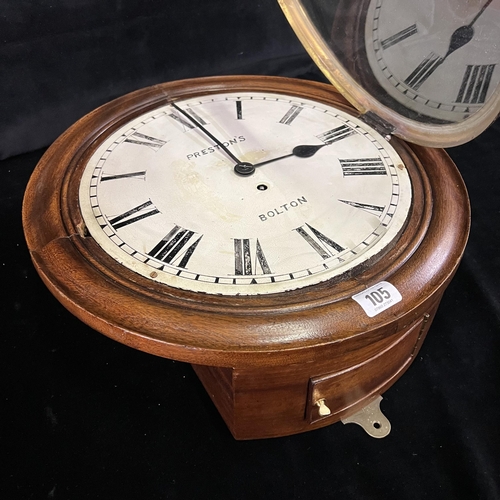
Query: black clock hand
(463, 35)
(480, 12)
(460, 37)
(302, 151)
(206, 132)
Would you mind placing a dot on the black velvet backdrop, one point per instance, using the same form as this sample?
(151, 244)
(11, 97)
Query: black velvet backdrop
(82, 416)
(63, 58)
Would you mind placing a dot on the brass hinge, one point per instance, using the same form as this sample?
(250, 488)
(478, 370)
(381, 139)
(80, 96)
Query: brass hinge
(384, 128)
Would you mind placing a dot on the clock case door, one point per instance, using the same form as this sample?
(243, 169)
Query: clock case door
(338, 35)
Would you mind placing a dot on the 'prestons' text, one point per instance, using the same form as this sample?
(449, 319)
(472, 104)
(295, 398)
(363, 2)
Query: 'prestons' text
(215, 147)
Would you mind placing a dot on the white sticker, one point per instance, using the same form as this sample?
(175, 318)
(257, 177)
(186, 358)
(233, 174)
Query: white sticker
(378, 298)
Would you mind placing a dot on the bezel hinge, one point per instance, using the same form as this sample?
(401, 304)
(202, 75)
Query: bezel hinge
(383, 127)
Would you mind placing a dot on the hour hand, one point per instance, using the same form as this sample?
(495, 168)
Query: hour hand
(302, 151)
(460, 37)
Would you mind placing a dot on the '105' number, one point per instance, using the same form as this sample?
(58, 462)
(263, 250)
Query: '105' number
(378, 296)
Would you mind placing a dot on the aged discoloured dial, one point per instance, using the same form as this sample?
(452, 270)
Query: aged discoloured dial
(163, 195)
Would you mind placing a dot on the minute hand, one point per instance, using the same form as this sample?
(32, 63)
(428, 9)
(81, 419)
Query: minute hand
(480, 12)
(206, 132)
(302, 151)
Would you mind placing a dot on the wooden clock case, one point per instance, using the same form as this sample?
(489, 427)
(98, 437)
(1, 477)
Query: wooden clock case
(266, 361)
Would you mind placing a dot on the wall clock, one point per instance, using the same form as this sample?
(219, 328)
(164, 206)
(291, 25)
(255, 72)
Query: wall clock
(261, 229)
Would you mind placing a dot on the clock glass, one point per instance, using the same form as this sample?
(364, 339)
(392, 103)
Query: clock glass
(428, 70)
(435, 57)
(245, 193)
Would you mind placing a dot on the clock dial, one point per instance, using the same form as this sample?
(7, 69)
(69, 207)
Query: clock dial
(244, 193)
(437, 58)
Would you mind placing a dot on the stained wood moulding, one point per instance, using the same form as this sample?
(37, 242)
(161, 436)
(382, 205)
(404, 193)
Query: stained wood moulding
(265, 358)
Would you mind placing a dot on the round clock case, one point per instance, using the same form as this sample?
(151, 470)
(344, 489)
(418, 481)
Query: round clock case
(271, 360)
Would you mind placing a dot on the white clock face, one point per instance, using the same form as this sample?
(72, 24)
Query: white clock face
(162, 195)
(438, 58)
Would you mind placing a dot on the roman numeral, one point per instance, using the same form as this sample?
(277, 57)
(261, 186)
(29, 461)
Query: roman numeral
(336, 134)
(373, 209)
(185, 122)
(475, 84)
(178, 244)
(399, 37)
(135, 214)
(243, 264)
(145, 140)
(239, 110)
(363, 166)
(423, 71)
(140, 175)
(318, 241)
(291, 114)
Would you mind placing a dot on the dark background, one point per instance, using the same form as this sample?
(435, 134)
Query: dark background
(82, 416)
